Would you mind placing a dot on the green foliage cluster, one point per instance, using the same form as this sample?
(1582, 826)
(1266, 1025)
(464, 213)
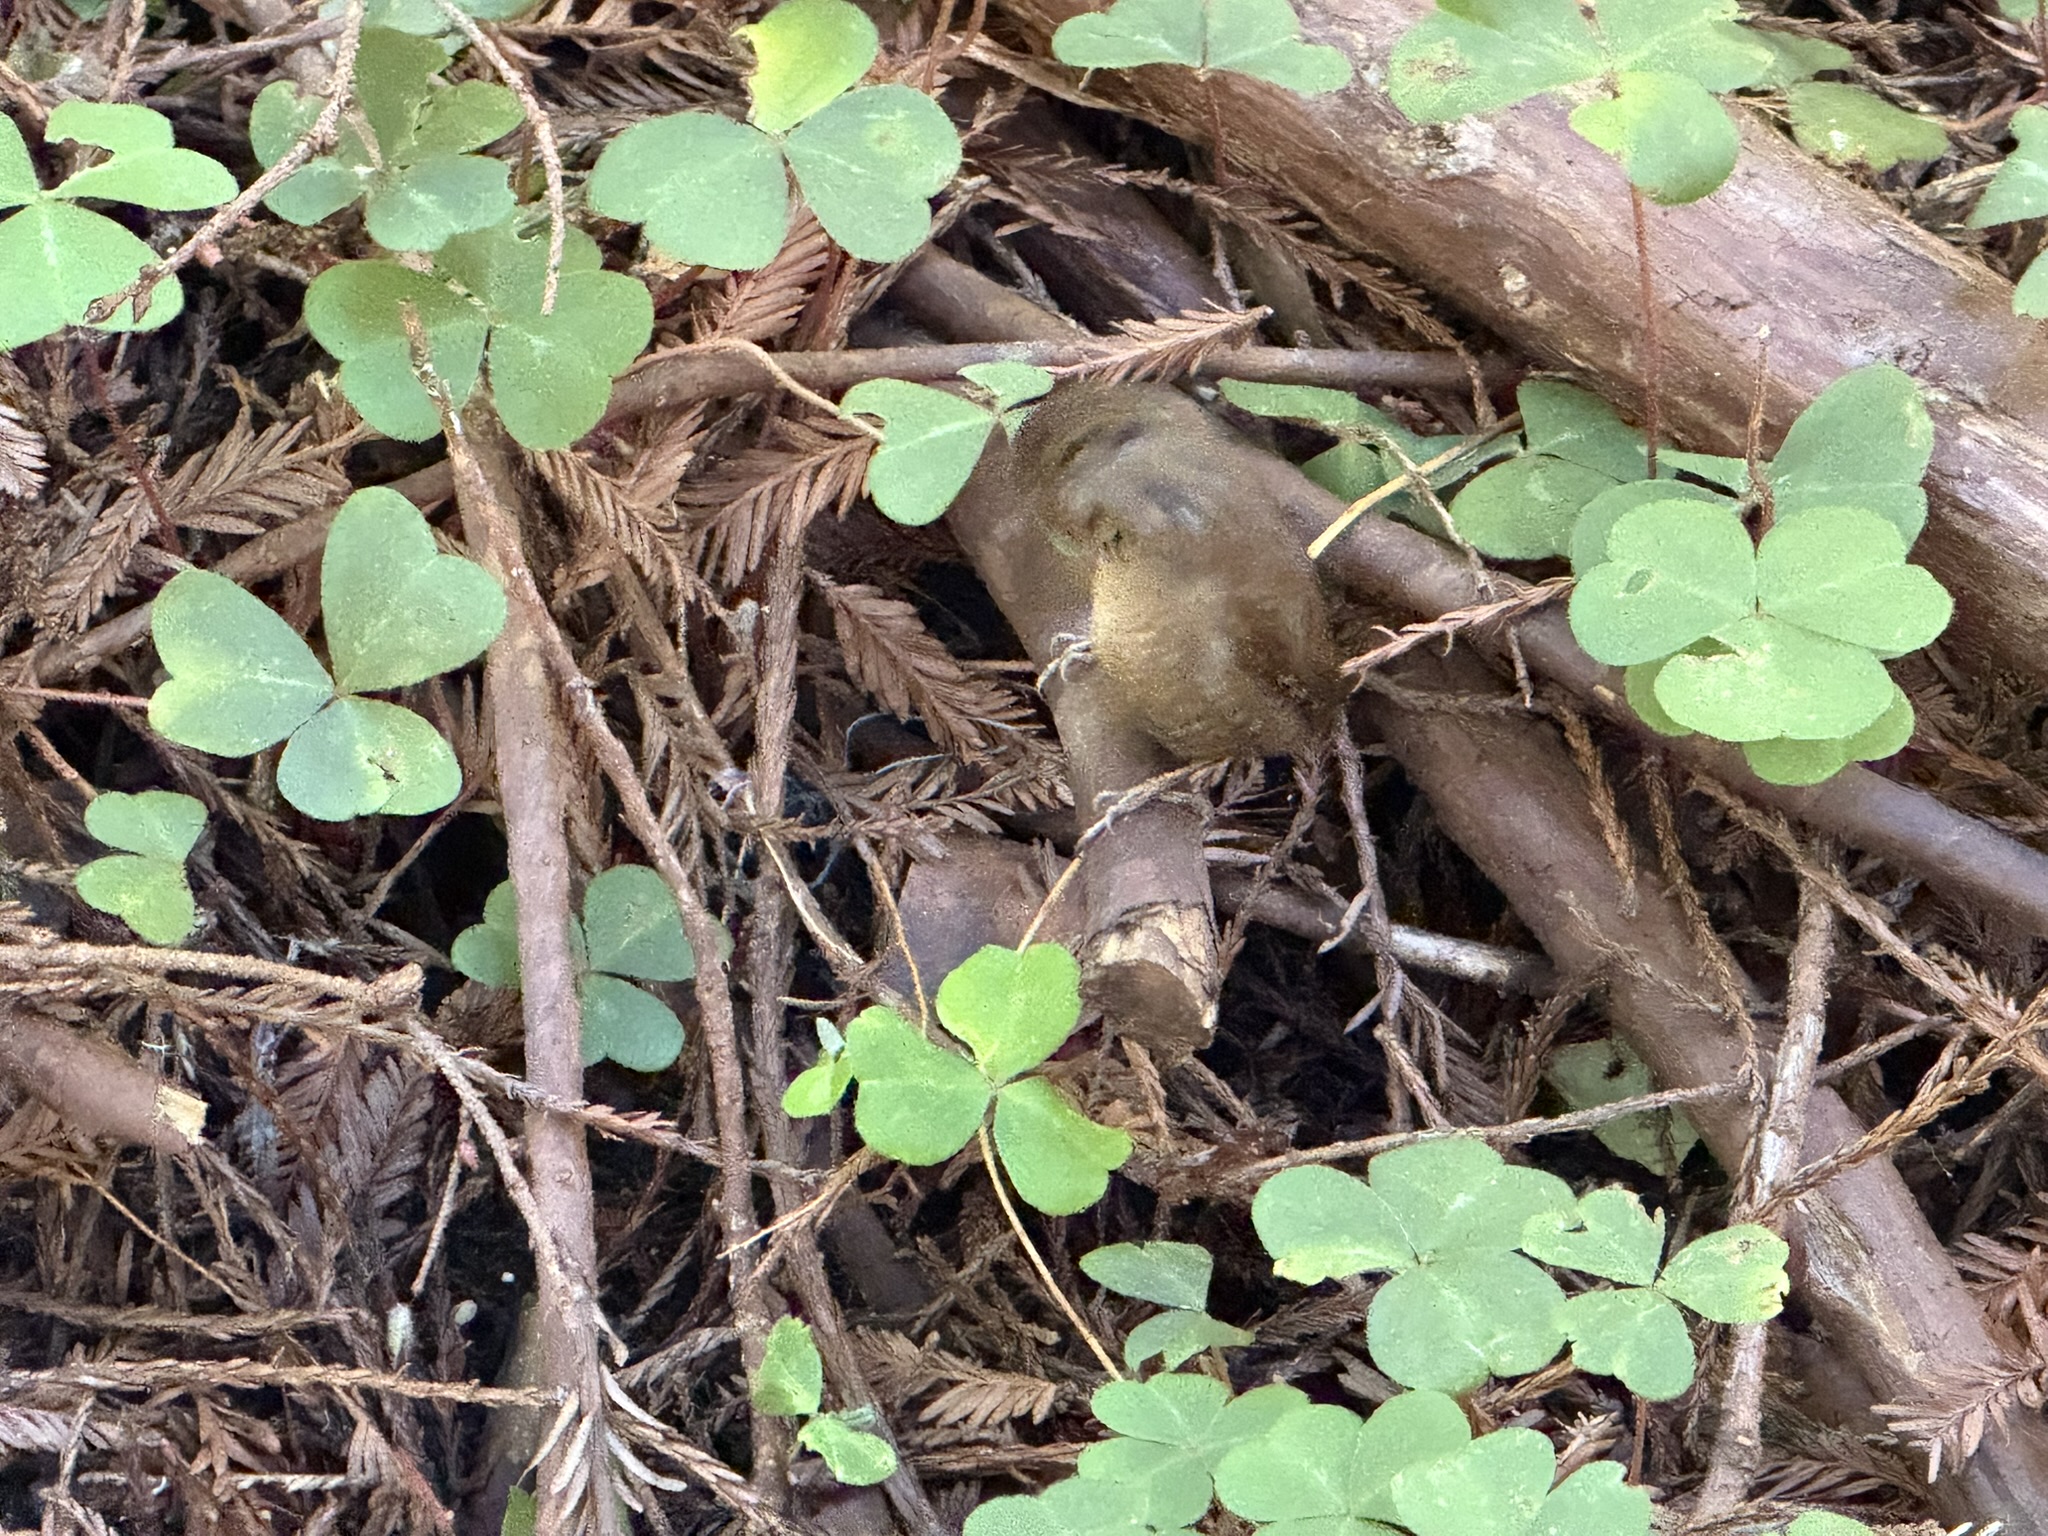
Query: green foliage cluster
(1778, 645)
(1461, 1230)
(1658, 66)
(396, 613)
(920, 1103)
(57, 257)
(791, 1385)
(144, 885)
(715, 192)
(1260, 38)
(480, 303)
(932, 439)
(404, 153)
(630, 929)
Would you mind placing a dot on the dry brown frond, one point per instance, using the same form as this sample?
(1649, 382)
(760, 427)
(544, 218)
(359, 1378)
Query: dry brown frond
(763, 305)
(647, 535)
(1952, 1418)
(971, 1397)
(240, 485)
(890, 653)
(817, 464)
(1176, 346)
(22, 459)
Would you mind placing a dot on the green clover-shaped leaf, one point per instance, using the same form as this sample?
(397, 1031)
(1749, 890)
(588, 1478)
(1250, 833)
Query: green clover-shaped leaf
(1458, 1194)
(706, 190)
(1171, 1274)
(1474, 57)
(1449, 1324)
(1008, 384)
(489, 951)
(1670, 135)
(240, 679)
(2020, 189)
(551, 374)
(856, 1457)
(1736, 1275)
(398, 612)
(1261, 38)
(359, 757)
(1526, 508)
(869, 162)
(419, 184)
(809, 52)
(1863, 442)
(1766, 677)
(918, 1102)
(633, 928)
(1173, 1431)
(56, 258)
(1598, 517)
(818, 1088)
(1599, 1072)
(149, 895)
(1320, 1224)
(1177, 1336)
(1841, 572)
(1847, 125)
(620, 1022)
(1634, 1335)
(1594, 1501)
(1675, 571)
(145, 168)
(1492, 1486)
(145, 886)
(790, 1382)
(156, 823)
(930, 445)
(356, 310)
(1012, 1008)
(1322, 1469)
(1784, 760)
(1608, 1234)
(1058, 1158)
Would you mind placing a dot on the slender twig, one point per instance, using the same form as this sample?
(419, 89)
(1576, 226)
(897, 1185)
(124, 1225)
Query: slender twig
(1052, 1286)
(1653, 342)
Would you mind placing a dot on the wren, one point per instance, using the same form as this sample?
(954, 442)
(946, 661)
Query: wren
(1208, 621)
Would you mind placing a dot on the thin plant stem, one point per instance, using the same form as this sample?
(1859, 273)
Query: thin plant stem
(1052, 1287)
(1653, 346)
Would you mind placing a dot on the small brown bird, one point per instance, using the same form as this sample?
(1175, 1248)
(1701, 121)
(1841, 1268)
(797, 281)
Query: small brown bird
(1207, 617)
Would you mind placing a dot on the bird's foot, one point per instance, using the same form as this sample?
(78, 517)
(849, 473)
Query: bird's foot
(1066, 651)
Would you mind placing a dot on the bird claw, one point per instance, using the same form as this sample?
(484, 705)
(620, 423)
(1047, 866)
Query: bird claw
(1066, 650)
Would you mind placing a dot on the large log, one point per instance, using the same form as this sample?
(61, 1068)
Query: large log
(1527, 228)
